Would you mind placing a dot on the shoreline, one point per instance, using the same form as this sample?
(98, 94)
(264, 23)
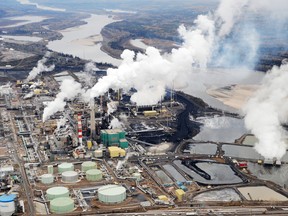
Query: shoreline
(85, 41)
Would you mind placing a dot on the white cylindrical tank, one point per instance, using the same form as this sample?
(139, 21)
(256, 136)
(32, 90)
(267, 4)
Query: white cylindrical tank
(56, 192)
(94, 175)
(98, 153)
(112, 194)
(7, 204)
(87, 165)
(69, 177)
(47, 179)
(65, 167)
(62, 205)
(50, 169)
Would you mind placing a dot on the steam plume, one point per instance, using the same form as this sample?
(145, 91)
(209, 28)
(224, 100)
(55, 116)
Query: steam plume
(151, 73)
(267, 110)
(41, 67)
(116, 124)
(87, 77)
(161, 148)
(90, 67)
(69, 89)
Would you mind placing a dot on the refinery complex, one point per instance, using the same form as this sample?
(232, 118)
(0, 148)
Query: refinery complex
(127, 107)
(109, 156)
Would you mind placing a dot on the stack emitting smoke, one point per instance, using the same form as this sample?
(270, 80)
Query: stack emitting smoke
(69, 89)
(267, 111)
(92, 117)
(41, 67)
(151, 73)
(89, 68)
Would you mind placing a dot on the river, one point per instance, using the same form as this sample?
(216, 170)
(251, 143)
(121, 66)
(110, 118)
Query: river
(85, 41)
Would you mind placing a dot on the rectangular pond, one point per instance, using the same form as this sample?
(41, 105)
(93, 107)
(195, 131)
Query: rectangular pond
(210, 173)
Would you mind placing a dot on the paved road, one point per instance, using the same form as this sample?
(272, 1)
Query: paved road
(22, 170)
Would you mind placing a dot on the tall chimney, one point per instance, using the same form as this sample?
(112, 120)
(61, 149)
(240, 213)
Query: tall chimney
(92, 116)
(80, 135)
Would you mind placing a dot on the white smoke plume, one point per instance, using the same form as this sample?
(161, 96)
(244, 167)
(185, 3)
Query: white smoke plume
(151, 73)
(61, 122)
(111, 107)
(41, 67)
(90, 67)
(41, 7)
(228, 12)
(161, 148)
(267, 110)
(121, 163)
(87, 76)
(116, 124)
(69, 89)
(123, 118)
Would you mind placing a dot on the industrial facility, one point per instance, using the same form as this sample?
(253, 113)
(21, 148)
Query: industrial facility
(80, 160)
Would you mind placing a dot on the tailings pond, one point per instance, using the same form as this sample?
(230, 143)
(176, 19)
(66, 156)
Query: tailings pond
(201, 148)
(261, 193)
(224, 195)
(243, 152)
(276, 174)
(209, 172)
(220, 129)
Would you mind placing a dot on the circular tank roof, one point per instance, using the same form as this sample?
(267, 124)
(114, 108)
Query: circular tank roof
(112, 190)
(47, 175)
(57, 190)
(66, 165)
(69, 173)
(93, 172)
(7, 198)
(88, 163)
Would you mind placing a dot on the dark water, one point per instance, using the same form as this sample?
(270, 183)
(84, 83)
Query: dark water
(210, 173)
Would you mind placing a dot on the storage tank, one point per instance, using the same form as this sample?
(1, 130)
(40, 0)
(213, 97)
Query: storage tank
(112, 194)
(69, 177)
(7, 204)
(56, 192)
(98, 153)
(47, 179)
(87, 165)
(50, 169)
(65, 167)
(94, 175)
(62, 205)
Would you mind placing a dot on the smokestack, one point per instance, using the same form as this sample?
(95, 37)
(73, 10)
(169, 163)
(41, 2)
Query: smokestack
(119, 95)
(80, 135)
(92, 116)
